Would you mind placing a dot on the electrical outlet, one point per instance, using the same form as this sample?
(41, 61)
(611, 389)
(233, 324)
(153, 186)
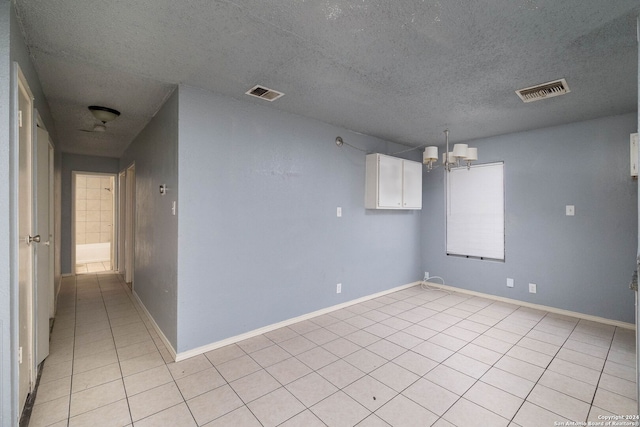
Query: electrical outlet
(339, 212)
(426, 275)
(509, 283)
(570, 210)
(533, 288)
(339, 288)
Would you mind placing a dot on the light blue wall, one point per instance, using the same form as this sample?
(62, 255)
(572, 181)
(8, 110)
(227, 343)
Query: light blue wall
(259, 241)
(155, 153)
(581, 263)
(78, 163)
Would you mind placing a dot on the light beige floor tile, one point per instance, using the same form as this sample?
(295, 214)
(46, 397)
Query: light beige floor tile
(213, 404)
(623, 357)
(492, 343)
(466, 413)
(281, 334)
(340, 373)
(276, 407)
(96, 397)
(199, 383)
(311, 389)
(146, 380)
(559, 403)
(567, 385)
(154, 400)
(189, 366)
(370, 392)
(95, 377)
(508, 382)
(238, 417)
(481, 354)
(494, 399)
(467, 365)
(372, 421)
(320, 336)
(380, 330)
(405, 340)
(341, 347)
(50, 412)
(574, 371)
(53, 390)
(141, 363)
(420, 332)
(586, 348)
(362, 338)
(254, 385)
(518, 367)
(386, 349)
(401, 411)
(136, 350)
(394, 376)
(255, 343)
(306, 419)
(270, 355)
(618, 370)
(113, 415)
(433, 351)
(175, 416)
(297, 345)
(340, 410)
(615, 403)
(304, 326)
(342, 328)
(530, 356)
(415, 363)
(89, 363)
(546, 337)
(365, 360)
(450, 379)
(581, 359)
(224, 354)
(618, 385)
(435, 398)
(316, 358)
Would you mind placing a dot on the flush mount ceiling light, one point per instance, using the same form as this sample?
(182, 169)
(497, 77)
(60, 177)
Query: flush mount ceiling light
(104, 114)
(460, 153)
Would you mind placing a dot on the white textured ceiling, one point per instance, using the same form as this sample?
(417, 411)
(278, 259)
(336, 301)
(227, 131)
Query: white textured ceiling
(401, 70)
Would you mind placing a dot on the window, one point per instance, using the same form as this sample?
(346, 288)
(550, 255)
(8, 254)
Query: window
(475, 211)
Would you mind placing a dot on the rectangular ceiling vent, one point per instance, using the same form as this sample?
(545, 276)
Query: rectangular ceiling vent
(543, 91)
(264, 93)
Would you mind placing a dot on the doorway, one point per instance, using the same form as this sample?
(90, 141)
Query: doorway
(93, 218)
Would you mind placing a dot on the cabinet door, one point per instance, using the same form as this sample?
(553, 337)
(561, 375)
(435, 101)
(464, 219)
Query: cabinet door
(412, 195)
(389, 182)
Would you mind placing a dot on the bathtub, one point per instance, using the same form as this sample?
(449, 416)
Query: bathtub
(93, 252)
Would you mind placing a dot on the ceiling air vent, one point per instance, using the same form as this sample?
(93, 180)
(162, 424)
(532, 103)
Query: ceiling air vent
(264, 93)
(545, 90)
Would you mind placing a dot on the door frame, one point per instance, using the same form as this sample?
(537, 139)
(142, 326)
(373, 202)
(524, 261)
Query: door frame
(129, 223)
(122, 185)
(73, 215)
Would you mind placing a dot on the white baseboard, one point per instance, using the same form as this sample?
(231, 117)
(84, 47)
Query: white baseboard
(537, 306)
(218, 344)
(234, 339)
(172, 351)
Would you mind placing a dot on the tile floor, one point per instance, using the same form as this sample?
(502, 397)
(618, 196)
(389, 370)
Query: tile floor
(413, 358)
(93, 267)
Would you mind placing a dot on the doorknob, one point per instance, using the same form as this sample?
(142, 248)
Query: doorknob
(35, 238)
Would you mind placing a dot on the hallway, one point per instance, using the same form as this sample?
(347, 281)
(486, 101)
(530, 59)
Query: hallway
(413, 357)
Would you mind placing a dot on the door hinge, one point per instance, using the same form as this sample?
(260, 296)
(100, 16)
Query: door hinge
(19, 118)
(20, 355)
(634, 281)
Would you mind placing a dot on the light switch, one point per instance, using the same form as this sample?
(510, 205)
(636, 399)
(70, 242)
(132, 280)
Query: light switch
(571, 210)
(339, 212)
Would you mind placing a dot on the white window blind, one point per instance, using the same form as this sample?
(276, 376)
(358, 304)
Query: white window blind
(475, 211)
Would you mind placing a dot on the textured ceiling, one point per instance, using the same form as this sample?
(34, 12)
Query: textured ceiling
(402, 71)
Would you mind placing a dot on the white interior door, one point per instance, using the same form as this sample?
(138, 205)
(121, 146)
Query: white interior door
(44, 274)
(25, 233)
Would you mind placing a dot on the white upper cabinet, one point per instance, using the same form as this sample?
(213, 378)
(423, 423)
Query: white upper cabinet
(392, 183)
